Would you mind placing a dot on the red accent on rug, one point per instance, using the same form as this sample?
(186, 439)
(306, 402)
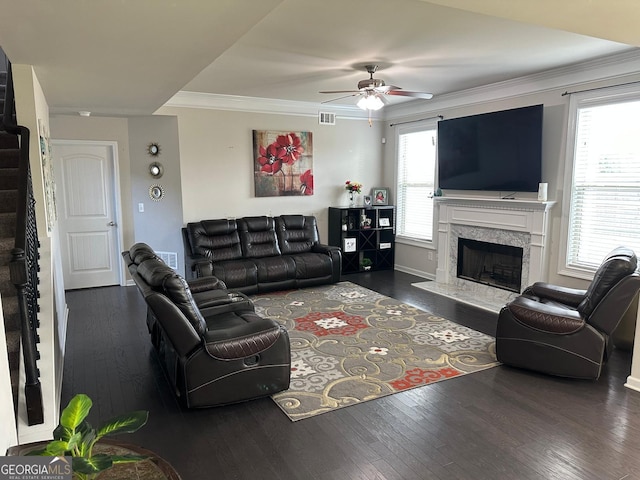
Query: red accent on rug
(330, 323)
(418, 376)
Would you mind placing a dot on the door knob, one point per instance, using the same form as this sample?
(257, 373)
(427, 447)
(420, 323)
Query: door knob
(111, 224)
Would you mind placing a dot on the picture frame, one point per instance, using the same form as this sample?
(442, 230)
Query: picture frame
(380, 195)
(384, 222)
(366, 200)
(349, 245)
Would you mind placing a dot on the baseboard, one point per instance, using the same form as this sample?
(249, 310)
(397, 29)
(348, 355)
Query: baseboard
(413, 271)
(130, 283)
(633, 383)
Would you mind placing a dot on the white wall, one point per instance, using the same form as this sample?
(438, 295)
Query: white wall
(216, 161)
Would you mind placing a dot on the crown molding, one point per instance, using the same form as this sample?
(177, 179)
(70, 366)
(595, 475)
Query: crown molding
(612, 68)
(184, 99)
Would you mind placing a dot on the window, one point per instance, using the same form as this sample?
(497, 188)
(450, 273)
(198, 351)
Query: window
(415, 182)
(604, 190)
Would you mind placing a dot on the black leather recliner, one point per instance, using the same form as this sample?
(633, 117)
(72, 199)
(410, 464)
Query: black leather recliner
(213, 346)
(564, 331)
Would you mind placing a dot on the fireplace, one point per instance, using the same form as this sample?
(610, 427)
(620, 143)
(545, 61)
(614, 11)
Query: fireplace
(490, 264)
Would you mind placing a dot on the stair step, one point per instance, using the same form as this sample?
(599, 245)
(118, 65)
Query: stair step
(8, 224)
(8, 179)
(11, 312)
(7, 289)
(9, 157)
(8, 201)
(8, 140)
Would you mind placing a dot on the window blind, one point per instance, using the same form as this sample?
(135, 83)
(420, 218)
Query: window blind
(416, 177)
(605, 196)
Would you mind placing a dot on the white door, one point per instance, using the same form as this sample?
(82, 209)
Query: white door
(85, 175)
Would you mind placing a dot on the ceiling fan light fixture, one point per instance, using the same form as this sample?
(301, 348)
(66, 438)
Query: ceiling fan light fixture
(370, 102)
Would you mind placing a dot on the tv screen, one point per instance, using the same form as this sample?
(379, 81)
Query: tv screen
(497, 151)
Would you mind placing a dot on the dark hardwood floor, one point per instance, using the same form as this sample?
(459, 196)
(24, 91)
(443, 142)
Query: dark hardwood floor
(500, 423)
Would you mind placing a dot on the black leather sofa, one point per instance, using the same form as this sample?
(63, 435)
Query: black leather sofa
(258, 254)
(213, 346)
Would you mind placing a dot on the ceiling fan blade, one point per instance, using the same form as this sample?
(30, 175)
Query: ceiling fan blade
(405, 93)
(339, 98)
(341, 91)
(386, 88)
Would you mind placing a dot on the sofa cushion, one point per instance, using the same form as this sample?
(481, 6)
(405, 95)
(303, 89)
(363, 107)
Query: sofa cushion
(236, 273)
(296, 233)
(312, 265)
(275, 269)
(215, 239)
(258, 237)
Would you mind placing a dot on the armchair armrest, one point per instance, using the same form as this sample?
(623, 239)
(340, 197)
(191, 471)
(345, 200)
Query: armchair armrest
(556, 293)
(335, 254)
(249, 338)
(545, 317)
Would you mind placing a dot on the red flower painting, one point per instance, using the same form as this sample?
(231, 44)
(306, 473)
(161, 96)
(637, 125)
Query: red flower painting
(306, 180)
(269, 159)
(283, 163)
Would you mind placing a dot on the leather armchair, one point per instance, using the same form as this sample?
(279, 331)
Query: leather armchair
(213, 346)
(564, 331)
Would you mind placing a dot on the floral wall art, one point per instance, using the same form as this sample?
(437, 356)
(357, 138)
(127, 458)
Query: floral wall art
(283, 163)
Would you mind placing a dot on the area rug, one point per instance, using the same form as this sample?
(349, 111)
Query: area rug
(351, 345)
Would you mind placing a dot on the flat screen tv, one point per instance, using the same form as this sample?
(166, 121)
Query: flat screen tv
(497, 151)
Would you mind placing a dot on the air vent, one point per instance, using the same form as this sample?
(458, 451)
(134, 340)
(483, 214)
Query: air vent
(326, 118)
(170, 258)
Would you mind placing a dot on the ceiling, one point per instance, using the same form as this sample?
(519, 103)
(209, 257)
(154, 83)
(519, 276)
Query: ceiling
(129, 57)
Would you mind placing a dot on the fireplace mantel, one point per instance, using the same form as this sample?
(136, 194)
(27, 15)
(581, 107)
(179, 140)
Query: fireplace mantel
(522, 223)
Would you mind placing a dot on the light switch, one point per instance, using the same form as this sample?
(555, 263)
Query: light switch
(141, 207)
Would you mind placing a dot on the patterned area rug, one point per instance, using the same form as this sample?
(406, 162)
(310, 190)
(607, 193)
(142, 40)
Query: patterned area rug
(350, 345)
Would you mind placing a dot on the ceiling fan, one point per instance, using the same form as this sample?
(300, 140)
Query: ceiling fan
(373, 91)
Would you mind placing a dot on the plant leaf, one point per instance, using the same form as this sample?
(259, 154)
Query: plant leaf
(128, 458)
(127, 423)
(94, 464)
(56, 448)
(62, 433)
(76, 411)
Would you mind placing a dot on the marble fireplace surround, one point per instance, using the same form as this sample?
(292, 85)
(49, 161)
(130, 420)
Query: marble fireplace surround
(518, 223)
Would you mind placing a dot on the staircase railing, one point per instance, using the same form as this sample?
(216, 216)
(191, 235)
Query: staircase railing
(23, 267)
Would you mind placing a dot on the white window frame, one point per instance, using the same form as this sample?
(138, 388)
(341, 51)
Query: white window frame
(581, 100)
(402, 130)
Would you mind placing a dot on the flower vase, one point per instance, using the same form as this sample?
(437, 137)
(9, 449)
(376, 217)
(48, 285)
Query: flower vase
(352, 203)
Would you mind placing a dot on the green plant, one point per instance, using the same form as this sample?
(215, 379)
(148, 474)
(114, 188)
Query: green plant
(366, 262)
(75, 437)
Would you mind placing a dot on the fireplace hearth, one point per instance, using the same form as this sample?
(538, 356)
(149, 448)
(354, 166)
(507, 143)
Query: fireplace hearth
(490, 264)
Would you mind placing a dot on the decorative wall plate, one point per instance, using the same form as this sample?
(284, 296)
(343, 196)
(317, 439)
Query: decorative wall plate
(153, 149)
(156, 170)
(156, 192)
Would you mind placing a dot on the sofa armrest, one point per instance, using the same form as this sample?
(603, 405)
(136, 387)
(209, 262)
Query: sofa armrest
(202, 267)
(249, 338)
(335, 253)
(327, 249)
(556, 293)
(211, 307)
(544, 316)
(204, 284)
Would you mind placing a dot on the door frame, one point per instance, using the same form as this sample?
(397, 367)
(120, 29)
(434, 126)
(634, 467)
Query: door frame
(113, 146)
